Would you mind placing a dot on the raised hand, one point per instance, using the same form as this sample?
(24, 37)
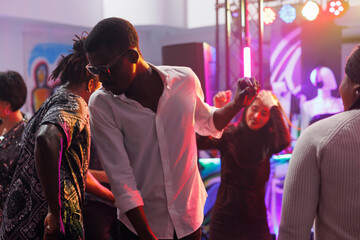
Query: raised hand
(267, 98)
(247, 89)
(222, 98)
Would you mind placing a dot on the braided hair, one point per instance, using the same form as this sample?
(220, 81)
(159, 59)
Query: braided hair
(71, 68)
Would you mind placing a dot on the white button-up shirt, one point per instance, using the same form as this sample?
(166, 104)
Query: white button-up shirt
(151, 158)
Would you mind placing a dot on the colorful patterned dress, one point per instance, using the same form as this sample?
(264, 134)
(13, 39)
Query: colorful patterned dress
(26, 206)
(9, 153)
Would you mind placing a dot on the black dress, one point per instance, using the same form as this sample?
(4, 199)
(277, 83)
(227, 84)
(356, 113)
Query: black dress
(9, 153)
(239, 211)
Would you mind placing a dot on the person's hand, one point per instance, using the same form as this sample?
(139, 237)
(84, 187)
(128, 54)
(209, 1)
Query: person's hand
(267, 98)
(54, 228)
(222, 98)
(247, 89)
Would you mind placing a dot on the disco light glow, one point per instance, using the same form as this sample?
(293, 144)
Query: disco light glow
(310, 10)
(287, 13)
(313, 76)
(247, 62)
(337, 7)
(269, 15)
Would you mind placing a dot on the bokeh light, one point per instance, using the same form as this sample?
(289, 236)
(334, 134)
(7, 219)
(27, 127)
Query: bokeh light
(310, 10)
(287, 13)
(269, 15)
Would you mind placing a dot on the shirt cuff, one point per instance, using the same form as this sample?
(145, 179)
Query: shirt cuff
(128, 201)
(214, 132)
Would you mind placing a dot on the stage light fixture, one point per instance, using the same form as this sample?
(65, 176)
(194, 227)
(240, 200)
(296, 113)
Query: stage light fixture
(247, 61)
(269, 15)
(337, 7)
(287, 13)
(310, 10)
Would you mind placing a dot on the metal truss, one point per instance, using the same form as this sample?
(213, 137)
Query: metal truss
(244, 28)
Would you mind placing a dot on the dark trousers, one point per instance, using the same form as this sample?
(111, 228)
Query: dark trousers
(126, 234)
(100, 221)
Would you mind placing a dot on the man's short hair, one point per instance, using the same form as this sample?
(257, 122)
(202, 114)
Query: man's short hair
(114, 33)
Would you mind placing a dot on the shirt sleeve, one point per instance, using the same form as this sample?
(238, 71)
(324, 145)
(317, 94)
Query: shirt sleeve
(109, 142)
(69, 116)
(301, 190)
(204, 113)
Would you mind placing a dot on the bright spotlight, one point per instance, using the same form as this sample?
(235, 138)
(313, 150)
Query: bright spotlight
(247, 61)
(269, 15)
(310, 10)
(287, 13)
(337, 7)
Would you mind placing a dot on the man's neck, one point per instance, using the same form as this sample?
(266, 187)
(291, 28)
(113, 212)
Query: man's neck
(146, 89)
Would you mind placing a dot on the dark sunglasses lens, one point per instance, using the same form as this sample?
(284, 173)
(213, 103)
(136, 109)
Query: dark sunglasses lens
(103, 71)
(92, 70)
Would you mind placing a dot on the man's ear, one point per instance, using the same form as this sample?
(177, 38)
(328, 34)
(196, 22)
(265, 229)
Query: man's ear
(133, 56)
(90, 85)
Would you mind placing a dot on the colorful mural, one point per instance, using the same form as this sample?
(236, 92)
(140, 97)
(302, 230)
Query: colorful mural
(41, 59)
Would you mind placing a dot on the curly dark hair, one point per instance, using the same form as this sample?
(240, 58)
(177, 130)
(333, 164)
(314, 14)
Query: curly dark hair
(352, 67)
(71, 67)
(114, 33)
(352, 70)
(13, 89)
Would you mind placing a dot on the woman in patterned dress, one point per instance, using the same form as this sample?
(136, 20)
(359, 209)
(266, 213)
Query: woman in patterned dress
(12, 121)
(47, 189)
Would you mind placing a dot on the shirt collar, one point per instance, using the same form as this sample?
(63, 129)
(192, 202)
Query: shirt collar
(165, 77)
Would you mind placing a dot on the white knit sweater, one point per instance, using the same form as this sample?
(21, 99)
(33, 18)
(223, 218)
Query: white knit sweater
(323, 181)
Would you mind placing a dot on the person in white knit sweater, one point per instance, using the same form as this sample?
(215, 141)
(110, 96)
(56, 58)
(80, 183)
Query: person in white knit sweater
(323, 181)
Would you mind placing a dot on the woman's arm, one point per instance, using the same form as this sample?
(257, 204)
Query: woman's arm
(48, 153)
(100, 175)
(95, 188)
(280, 134)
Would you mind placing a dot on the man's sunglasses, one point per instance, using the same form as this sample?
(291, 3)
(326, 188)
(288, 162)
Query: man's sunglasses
(104, 70)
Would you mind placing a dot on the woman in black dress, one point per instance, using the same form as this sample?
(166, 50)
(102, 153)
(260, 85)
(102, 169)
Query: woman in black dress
(13, 93)
(246, 148)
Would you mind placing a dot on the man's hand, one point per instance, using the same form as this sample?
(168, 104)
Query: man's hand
(54, 228)
(247, 89)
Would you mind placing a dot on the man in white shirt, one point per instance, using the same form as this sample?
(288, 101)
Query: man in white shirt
(143, 121)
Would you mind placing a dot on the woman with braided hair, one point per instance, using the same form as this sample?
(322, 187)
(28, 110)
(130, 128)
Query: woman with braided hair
(47, 189)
